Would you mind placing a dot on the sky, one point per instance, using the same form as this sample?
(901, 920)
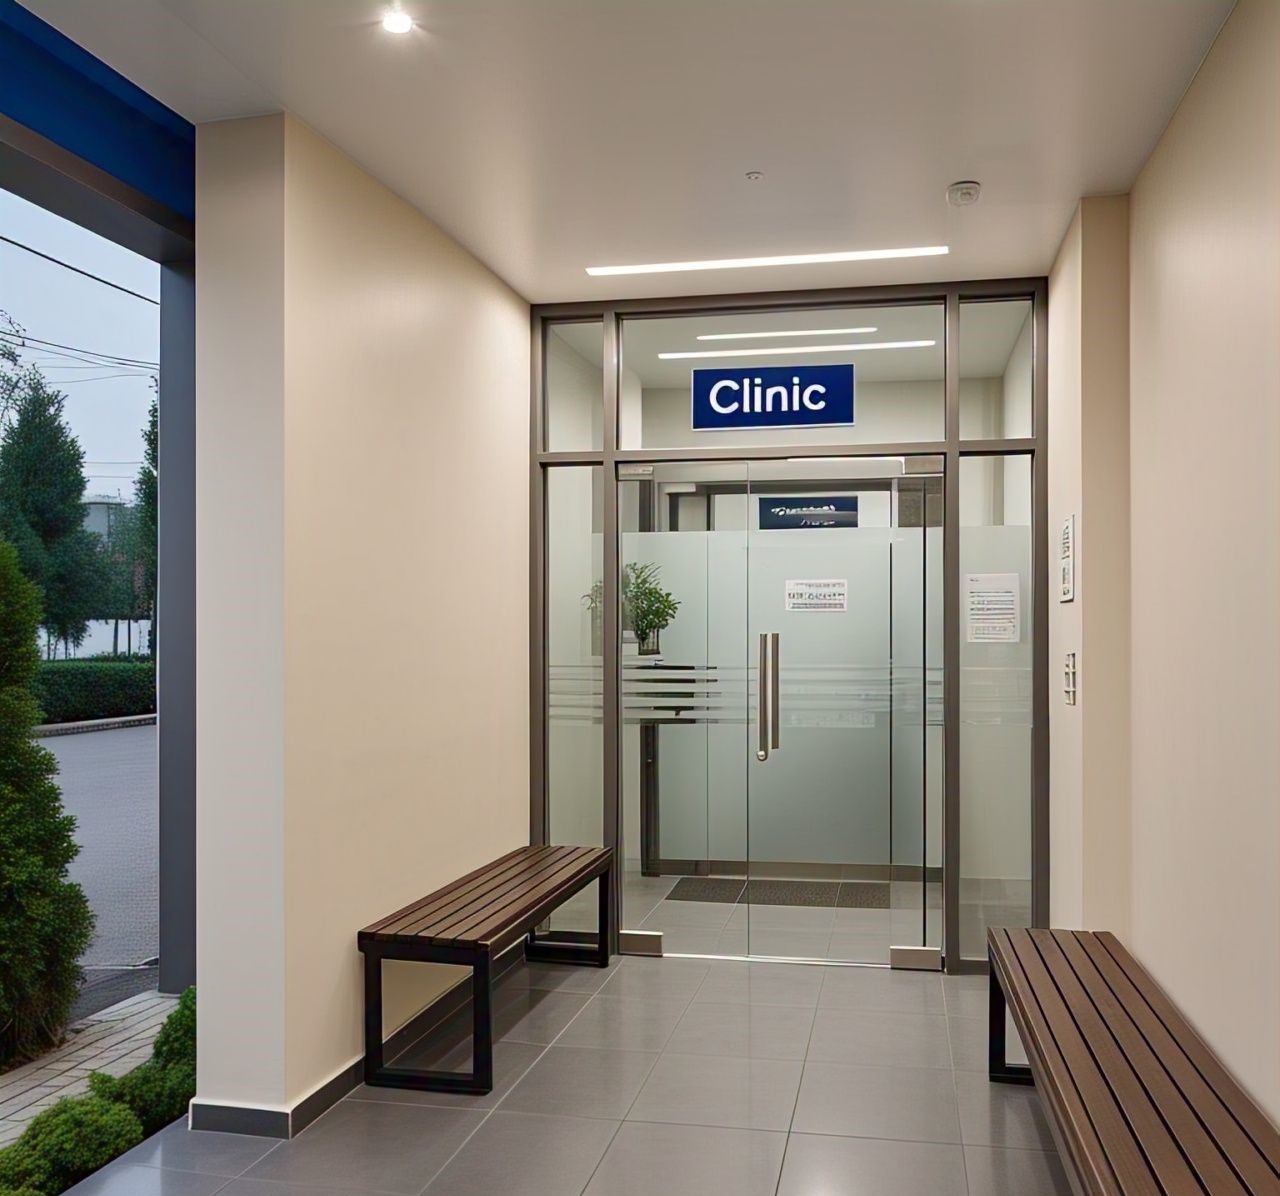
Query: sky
(106, 404)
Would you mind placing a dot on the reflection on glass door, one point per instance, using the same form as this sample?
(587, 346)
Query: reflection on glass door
(781, 690)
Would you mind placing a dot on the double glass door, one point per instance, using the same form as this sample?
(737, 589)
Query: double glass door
(781, 705)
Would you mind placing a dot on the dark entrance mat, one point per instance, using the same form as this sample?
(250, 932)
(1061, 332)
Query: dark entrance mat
(813, 893)
(707, 888)
(864, 894)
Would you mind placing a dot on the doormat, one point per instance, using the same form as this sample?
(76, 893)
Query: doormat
(812, 893)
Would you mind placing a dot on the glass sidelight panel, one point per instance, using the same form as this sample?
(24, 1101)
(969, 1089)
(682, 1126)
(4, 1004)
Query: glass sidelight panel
(996, 658)
(575, 674)
(996, 369)
(573, 373)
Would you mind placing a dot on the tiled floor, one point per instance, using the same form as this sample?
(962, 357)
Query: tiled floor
(672, 1076)
(115, 1040)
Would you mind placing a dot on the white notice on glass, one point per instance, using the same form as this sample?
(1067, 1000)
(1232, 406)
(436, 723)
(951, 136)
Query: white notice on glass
(830, 593)
(993, 608)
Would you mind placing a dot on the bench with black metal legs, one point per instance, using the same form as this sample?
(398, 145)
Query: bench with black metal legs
(471, 922)
(1137, 1101)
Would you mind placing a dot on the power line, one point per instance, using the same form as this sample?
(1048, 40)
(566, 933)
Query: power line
(106, 282)
(21, 340)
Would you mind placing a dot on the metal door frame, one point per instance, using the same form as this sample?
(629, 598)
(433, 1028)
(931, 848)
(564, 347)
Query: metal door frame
(952, 448)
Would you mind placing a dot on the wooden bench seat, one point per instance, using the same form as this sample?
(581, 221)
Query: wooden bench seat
(471, 922)
(1137, 1101)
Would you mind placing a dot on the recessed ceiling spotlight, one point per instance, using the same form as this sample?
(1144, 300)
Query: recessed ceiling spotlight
(396, 20)
(793, 349)
(790, 259)
(964, 193)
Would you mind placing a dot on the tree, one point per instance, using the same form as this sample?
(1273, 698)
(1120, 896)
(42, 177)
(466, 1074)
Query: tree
(42, 502)
(147, 521)
(45, 920)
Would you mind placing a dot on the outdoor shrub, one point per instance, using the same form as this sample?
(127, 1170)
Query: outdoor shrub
(71, 691)
(159, 1090)
(175, 1045)
(67, 1142)
(156, 1094)
(45, 921)
(19, 1192)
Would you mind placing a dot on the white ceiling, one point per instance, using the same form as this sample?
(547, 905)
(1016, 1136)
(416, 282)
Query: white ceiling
(554, 135)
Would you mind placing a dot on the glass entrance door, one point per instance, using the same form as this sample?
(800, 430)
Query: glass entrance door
(781, 693)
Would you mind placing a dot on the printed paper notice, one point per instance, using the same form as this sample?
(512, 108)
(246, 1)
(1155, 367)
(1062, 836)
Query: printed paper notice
(993, 608)
(830, 594)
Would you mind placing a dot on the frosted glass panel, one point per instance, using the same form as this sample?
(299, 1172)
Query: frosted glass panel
(995, 700)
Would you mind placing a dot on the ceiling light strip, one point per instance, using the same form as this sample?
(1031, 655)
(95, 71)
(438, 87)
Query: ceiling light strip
(790, 259)
(752, 336)
(785, 350)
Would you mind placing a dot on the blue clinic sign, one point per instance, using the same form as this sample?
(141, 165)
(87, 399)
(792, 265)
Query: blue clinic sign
(782, 396)
(837, 510)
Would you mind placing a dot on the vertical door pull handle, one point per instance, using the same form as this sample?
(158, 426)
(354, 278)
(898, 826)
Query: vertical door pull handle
(763, 694)
(775, 693)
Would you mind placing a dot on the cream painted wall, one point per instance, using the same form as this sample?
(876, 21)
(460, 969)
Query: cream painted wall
(342, 488)
(1089, 477)
(1205, 414)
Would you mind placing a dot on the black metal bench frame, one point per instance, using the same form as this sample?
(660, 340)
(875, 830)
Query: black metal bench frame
(479, 958)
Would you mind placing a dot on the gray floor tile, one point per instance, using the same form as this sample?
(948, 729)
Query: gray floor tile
(700, 915)
(785, 943)
(121, 1180)
(364, 1144)
(994, 1172)
(1001, 1114)
(558, 977)
(526, 1153)
(689, 1160)
(535, 1015)
(966, 996)
(784, 917)
(860, 946)
(743, 1031)
(879, 990)
(879, 1039)
(625, 1023)
(581, 1082)
(968, 1043)
(755, 1094)
(649, 978)
(510, 1061)
(867, 1167)
(761, 984)
(915, 1104)
(695, 940)
(177, 1148)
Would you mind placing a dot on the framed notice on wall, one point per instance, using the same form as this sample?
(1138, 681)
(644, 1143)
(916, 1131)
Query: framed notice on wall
(1067, 560)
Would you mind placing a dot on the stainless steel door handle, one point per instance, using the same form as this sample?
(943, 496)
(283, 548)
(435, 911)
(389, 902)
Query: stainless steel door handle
(763, 697)
(775, 693)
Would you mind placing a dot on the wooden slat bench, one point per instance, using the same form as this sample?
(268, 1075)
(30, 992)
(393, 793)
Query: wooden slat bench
(1137, 1101)
(471, 922)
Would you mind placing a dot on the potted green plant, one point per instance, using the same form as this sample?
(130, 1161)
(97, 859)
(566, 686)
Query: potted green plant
(646, 607)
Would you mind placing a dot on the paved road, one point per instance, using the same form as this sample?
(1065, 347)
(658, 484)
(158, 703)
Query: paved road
(108, 781)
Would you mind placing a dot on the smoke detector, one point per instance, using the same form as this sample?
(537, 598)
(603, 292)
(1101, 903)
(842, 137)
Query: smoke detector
(754, 176)
(964, 193)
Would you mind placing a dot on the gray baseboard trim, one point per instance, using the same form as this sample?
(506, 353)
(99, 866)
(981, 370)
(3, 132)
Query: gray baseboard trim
(285, 1124)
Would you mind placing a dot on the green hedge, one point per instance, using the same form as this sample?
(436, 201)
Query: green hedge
(70, 691)
(81, 1134)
